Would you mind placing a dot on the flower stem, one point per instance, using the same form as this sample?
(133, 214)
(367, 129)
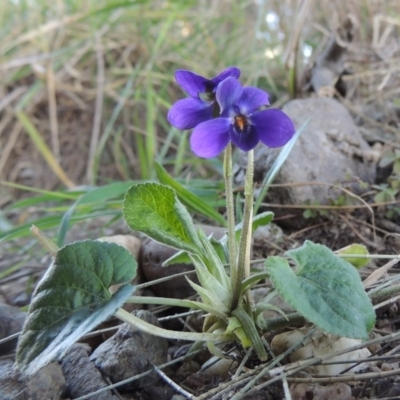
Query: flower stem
(245, 237)
(155, 330)
(230, 211)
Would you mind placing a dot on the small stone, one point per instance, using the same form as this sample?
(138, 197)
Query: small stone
(131, 352)
(48, 383)
(81, 374)
(188, 368)
(389, 366)
(130, 242)
(156, 392)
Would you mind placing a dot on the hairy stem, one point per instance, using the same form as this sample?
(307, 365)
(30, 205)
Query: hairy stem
(230, 211)
(155, 330)
(243, 266)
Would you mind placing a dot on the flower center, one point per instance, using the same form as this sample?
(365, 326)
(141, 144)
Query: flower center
(208, 97)
(240, 122)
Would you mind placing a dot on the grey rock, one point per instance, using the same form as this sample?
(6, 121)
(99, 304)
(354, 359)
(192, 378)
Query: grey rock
(131, 352)
(156, 392)
(11, 321)
(152, 257)
(187, 368)
(329, 150)
(48, 383)
(81, 374)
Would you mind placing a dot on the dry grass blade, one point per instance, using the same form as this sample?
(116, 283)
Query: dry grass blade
(171, 383)
(51, 90)
(43, 148)
(378, 273)
(98, 109)
(46, 29)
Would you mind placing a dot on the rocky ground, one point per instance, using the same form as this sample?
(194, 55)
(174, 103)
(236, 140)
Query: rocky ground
(331, 158)
(333, 189)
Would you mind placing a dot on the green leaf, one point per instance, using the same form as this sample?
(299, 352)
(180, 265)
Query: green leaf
(73, 298)
(210, 299)
(326, 290)
(215, 281)
(358, 249)
(181, 257)
(155, 210)
(188, 198)
(51, 222)
(250, 332)
(262, 219)
(213, 261)
(220, 249)
(234, 326)
(309, 214)
(252, 280)
(96, 196)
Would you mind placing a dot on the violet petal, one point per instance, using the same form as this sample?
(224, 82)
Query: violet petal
(210, 138)
(189, 112)
(190, 82)
(274, 127)
(246, 140)
(252, 99)
(228, 93)
(233, 72)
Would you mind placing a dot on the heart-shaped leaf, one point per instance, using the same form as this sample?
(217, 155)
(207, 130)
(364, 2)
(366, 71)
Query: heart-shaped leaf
(326, 290)
(155, 210)
(73, 298)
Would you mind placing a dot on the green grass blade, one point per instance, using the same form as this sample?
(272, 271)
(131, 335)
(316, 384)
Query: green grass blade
(47, 195)
(96, 196)
(189, 199)
(51, 222)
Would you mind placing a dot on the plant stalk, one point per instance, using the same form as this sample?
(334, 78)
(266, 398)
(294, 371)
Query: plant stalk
(230, 211)
(243, 266)
(155, 330)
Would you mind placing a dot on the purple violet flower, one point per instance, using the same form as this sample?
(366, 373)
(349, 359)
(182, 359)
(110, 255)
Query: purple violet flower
(201, 105)
(244, 121)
